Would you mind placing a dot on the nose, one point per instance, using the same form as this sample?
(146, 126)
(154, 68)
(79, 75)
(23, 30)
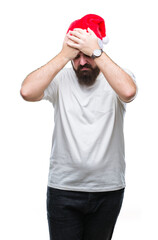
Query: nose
(83, 60)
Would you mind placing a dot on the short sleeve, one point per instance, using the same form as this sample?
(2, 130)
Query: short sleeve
(134, 79)
(51, 92)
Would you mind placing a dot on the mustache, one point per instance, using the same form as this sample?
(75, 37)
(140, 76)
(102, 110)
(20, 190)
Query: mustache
(84, 66)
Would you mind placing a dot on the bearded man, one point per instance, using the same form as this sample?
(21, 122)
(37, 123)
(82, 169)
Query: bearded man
(87, 163)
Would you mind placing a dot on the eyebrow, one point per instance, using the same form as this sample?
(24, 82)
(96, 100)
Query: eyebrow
(87, 56)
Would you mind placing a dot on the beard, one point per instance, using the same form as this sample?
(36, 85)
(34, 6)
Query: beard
(86, 77)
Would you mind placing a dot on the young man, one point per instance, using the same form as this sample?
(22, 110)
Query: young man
(86, 178)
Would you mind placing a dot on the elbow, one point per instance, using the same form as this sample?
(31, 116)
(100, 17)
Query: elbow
(30, 96)
(25, 93)
(130, 94)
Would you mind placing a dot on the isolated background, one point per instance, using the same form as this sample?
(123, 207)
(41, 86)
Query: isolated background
(32, 32)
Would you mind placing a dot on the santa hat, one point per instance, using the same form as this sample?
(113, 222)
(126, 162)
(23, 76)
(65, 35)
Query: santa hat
(95, 23)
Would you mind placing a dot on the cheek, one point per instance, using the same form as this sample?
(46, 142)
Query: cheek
(92, 63)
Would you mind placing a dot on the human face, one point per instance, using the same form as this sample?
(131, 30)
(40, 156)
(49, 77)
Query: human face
(86, 69)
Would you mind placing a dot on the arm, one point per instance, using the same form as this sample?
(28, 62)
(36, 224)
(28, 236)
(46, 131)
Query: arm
(35, 83)
(119, 80)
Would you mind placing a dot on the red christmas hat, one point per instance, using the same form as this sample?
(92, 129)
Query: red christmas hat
(95, 23)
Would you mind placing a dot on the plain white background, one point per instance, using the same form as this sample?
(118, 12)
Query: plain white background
(32, 33)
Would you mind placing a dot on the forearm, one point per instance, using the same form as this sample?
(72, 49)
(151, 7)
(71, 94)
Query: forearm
(36, 82)
(119, 80)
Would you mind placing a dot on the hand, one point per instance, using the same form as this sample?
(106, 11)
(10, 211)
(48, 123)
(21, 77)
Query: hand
(68, 51)
(82, 40)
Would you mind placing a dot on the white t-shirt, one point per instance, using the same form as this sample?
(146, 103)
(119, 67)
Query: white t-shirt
(88, 141)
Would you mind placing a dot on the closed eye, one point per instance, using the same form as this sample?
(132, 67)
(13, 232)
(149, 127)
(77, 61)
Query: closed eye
(77, 56)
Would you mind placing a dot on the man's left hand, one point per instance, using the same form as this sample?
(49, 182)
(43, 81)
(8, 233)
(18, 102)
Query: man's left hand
(84, 41)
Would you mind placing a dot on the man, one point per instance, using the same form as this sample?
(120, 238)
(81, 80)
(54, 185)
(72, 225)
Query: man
(86, 178)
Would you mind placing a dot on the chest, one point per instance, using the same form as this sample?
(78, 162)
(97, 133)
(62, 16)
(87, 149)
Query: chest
(88, 105)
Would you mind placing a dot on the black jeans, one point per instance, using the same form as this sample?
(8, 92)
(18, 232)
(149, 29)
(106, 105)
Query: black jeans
(82, 215)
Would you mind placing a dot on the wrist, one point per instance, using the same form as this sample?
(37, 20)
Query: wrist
(63, 57)
(96, 46)
(97, 53)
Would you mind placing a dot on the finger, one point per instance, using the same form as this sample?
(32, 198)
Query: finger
(76, 34)
(80, 30)
(90, 31)
(72, 44)
(74, 39)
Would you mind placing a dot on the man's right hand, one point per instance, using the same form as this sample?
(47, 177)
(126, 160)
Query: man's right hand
(67, 51)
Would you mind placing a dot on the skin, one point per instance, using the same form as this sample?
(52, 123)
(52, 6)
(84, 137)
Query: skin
(119, 80)
(36, 82)
(82, 59)
(79, 43)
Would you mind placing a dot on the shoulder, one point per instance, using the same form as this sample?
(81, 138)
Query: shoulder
(65, 74)
(65, 77)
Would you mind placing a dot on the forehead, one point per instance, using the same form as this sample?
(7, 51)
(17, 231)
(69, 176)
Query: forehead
(80, 54)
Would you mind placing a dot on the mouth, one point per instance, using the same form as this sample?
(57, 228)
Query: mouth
(85, 69)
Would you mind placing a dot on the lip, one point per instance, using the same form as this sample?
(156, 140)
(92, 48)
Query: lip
(85, 69)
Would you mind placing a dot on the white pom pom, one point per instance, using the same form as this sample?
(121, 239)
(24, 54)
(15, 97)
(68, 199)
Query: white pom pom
(100, 42)
(105, 40)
